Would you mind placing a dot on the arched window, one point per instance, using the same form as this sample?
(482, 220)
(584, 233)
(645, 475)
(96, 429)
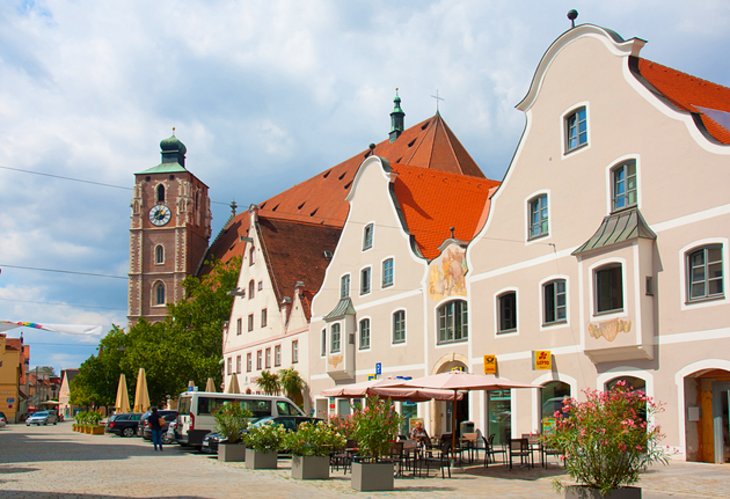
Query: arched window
(631, 383)
(608, 286)
(553, 302)
(159, 254)
(552, 396)
(251, 289)
(160, 193)
(453, 322)
(159, 293)
(251, 255)
(538, 217)
(507, 312)
(335, 338)
(623, 185)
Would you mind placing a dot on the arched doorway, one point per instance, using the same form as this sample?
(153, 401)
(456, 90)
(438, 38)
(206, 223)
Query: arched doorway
(552, 396)
(707, 415)
(441, 411)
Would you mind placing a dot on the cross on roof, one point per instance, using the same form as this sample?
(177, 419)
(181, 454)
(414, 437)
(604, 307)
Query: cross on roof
(437, 99)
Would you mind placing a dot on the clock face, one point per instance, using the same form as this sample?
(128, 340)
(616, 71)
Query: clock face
(160, 215)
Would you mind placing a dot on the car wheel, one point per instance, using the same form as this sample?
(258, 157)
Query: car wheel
(45, 423)
(128, 432)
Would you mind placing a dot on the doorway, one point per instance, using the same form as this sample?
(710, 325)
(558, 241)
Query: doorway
(721, 421)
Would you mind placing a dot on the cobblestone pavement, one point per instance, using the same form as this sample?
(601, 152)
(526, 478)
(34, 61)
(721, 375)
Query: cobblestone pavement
(55, 462)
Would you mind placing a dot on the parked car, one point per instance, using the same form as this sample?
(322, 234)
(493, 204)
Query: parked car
(168, 416)
(291, 423)
(42, 418)
(124, 424)
(3, 419)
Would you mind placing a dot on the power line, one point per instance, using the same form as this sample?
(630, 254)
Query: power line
(60, 271)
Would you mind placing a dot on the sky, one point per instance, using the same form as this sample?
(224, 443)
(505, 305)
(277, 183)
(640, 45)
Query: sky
(264, 94)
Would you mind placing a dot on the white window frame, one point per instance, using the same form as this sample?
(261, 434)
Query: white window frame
(323, 343)
(685, 303)
(277, 355)
(405, 327)
(368, 242)
(529, 238)
(359, 334)
(540, 297)
(564, 129)
(444, 303)
(345, 278)
(594, 297)
(332, 337)
(295, 352)
(249, 362)
(383, 285)
(495, 300)
(369, 280)
(636, 158)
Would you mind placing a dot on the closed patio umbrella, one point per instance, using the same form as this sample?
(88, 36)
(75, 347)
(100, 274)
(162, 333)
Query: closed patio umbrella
(233, 386)
(122, 403)
(459, 380)
(141, 395)
(210, 385)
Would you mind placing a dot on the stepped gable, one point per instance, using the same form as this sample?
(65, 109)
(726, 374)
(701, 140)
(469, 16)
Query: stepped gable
(708, 101)
(431, 202)
(321, 199)
(295, 251)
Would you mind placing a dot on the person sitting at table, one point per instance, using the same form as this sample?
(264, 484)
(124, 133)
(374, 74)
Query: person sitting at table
(419, 433)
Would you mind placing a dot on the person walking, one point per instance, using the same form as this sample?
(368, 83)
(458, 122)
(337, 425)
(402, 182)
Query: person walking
(156, 424)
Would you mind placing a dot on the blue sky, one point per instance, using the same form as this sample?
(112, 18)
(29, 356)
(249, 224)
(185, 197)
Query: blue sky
(264, 94)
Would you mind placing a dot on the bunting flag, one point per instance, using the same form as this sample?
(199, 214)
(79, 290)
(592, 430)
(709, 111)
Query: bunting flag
(80, 329)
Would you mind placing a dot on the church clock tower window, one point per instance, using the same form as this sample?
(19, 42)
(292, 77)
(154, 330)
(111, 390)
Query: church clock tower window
(159, 294)
(160, 193)
(160, 254)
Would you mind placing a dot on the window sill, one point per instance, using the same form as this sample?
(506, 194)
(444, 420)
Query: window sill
(555, 323)
(704, 299)
(506, 331)
(539, 236)
(451, 342)
(398, 343)
(385, 286)
(608, 312)
(576, 148)
(623, 208)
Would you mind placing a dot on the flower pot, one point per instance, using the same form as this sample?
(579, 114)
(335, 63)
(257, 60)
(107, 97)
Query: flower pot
(586, 492)
(258, 460)
(310, 467)
(372, 476)
(75, 427)
(97, 430)
(230, 453)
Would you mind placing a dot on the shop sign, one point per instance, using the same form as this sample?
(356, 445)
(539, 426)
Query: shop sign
(490, 364)
(542, 360)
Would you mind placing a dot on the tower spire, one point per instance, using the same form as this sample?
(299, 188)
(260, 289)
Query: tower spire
(397, 119)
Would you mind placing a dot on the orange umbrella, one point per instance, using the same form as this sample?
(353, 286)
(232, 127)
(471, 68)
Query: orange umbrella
(141, 395)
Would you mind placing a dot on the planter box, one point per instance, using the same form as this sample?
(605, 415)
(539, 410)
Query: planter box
(75, 427)
(586, 492)
(97, 430)
(310, 467)
(232, 453)
(256, 460)
(367, 477)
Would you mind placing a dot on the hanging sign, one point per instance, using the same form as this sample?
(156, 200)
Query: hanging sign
(542, 360)
(490, 364)
(378, 368)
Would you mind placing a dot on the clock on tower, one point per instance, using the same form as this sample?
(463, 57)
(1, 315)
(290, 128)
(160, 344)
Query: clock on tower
(169, 232)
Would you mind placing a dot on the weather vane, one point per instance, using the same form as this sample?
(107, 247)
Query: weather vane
(437, 99)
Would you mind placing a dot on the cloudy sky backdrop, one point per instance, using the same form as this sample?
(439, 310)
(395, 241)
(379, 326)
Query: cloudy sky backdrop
(264, 94)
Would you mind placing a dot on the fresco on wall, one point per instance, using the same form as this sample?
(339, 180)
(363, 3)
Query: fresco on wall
(609, 329)
(447, 274)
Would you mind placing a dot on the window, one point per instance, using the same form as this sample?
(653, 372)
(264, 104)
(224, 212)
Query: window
(160, 193)
(251, 255)
(453, 322)
(229, 365)
(552, 395)
(704, 273)
(159, 294)
(399, 327)
(387, 273)
(364, 334)
(576, 129)
(538, 223)
(249, 362)
(250, 322)
(295, 351)
(260, 285)
(264, 318)
(367, 237)
(238, 364)
(623, 185)
(267, 358)
(553, 300)
(345, 286)
(251, 289)
(277, 355)
(609, 288)
(159, 254)
(323, 342)
(239, 326)
(507, 305)
(335, 338)
(259, 357)
(365, 281)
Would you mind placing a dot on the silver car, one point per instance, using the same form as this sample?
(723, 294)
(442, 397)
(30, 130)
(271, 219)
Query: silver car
(42, 418)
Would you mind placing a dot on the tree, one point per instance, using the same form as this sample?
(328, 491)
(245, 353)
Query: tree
(292, 384)
(269, 383)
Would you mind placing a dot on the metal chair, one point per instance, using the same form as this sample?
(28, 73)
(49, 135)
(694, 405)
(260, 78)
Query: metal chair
(490, 451)
(520, 447)
(441, 460)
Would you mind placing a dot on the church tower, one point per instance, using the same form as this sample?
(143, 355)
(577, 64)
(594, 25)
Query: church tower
(168, 235)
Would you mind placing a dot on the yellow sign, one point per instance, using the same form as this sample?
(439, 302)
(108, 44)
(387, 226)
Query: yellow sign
(490, 364)
(542, 360)
(372, 377)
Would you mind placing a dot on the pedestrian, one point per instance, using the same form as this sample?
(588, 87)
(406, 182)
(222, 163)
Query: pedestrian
(156, 423)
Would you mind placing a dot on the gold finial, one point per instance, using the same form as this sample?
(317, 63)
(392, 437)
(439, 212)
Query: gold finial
(173, 131)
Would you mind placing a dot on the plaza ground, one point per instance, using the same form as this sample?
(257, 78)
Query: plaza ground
(55, 462)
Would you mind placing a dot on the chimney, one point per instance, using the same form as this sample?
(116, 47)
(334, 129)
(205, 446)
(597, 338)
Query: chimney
(397, 119)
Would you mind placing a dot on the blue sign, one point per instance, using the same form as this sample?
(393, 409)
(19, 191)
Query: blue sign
(378, 368)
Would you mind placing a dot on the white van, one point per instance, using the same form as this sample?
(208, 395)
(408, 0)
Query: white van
(195, 412)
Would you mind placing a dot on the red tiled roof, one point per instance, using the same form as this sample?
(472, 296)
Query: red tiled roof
(432, 202)
(294, 251)
(321, 199)
(691, 94)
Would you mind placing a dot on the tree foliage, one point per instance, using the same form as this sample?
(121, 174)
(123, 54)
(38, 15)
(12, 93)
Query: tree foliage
(269, 383)
(187, 345)
(292, 384)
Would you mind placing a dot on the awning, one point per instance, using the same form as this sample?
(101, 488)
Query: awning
(616, 228)
(344, 307)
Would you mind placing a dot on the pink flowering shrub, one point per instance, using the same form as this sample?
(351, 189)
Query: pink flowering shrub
(606, 440)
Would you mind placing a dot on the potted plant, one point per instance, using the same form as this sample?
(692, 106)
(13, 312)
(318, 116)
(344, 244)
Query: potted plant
(94, 424)
(375, 430)
(311, 446)
(262, 444)
(230, 421)
(607, 441)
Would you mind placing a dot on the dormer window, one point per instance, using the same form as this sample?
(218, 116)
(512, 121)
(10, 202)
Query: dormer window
(576, 129)
(367, 237)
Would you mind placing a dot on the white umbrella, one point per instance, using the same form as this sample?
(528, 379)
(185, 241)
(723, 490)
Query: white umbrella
(233, 386)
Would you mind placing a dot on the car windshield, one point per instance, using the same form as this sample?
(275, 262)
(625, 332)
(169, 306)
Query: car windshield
(41, 414)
